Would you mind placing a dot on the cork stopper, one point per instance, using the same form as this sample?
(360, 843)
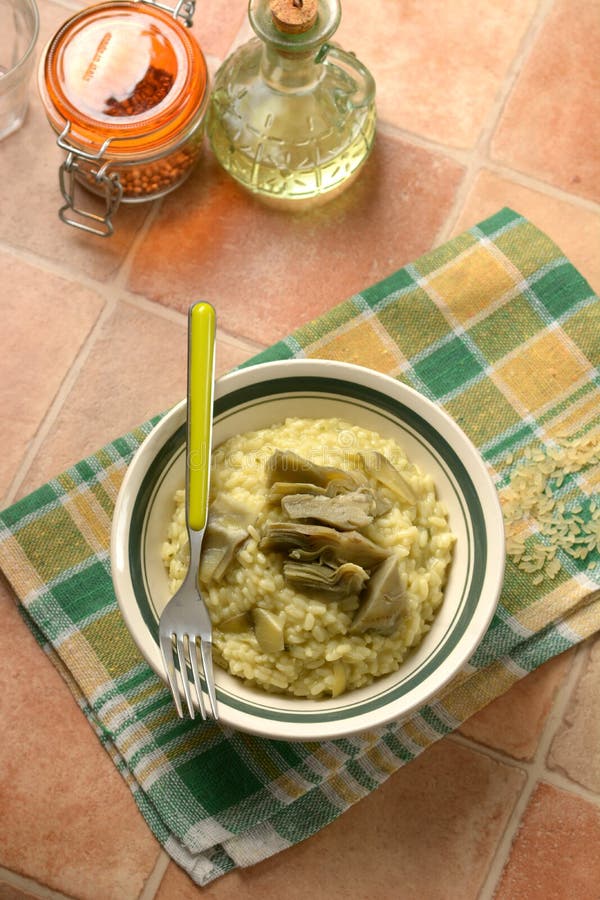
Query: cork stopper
(293, 16)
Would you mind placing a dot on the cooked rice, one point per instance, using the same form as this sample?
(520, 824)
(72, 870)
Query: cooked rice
(319, 650)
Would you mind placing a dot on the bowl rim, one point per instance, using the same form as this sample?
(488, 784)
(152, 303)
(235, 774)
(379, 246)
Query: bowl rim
(245, 379)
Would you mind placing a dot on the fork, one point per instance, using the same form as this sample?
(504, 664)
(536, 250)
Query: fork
(185, 623)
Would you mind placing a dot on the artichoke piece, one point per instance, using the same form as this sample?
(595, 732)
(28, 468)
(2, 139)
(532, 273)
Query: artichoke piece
(345, 512)
(285, 465)
(326, 556)
(236, 624)
(382, 505)
(339, 678)
(226, 530)
(334, 581)
(383, 601)
(387, 474)
(281, 489)
(268, 628)
(340, 546)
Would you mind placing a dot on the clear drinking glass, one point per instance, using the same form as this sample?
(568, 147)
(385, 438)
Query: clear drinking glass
(19, 27)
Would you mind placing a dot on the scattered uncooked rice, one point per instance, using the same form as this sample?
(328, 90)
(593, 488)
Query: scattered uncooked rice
(320, 655)
(542, 519)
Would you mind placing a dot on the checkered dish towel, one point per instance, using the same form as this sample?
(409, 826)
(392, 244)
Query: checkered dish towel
(498, 328)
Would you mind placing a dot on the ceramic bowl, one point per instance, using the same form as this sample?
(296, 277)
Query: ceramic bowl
(263, 395)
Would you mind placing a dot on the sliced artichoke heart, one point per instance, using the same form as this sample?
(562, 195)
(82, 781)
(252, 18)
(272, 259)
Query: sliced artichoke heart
(236, 624)
(268, 628)
(281, 489)
(325, 556)
(335, 582)
(341, 546)
(379, 466)
(382, 505)
(226, 530)
(339, 678)
(383, 601)
(285, 465)
(346, 512)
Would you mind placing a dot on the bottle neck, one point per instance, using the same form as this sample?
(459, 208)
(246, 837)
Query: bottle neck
(289, 72)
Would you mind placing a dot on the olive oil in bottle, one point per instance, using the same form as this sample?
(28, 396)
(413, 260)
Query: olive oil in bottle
(292, 117)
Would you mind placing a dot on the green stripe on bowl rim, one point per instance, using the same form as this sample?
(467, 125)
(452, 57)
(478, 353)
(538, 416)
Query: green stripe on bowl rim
(401, 415)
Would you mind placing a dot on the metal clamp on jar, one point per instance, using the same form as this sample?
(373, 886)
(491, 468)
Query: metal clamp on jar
(125, 88)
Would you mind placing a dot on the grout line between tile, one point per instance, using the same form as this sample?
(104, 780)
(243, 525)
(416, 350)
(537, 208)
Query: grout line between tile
(71, 5)
(46, 264)
(111, 291)
(115, 293)
(29, 886)
(165, 312)
(561, 701)
(462, 194)
(479, 156)
(464, 157)
(504, 847)
(542, 187)
(122, 274)
(140, 302)
(59, 399)
(496, 755)
(247, 346)
(528, 40)
(458, 154)
(156, 876)
(536, 772)
(564, 783)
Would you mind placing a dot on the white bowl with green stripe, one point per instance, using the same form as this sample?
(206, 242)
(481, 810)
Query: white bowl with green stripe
(262, 395)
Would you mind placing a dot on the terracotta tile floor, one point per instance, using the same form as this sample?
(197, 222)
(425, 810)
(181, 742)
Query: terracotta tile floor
(476, 112)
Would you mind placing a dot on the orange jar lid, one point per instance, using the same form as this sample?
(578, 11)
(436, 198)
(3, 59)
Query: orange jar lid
(127, 73)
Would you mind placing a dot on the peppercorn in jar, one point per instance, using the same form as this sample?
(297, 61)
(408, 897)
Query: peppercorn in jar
(125, 87)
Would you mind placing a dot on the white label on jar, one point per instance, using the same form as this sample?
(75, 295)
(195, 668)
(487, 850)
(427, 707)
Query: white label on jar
(104, 63)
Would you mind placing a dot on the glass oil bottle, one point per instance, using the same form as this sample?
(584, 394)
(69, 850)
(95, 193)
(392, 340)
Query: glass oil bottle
(292, 117)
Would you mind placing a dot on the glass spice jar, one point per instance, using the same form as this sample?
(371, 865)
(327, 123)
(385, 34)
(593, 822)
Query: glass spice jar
(125, 88)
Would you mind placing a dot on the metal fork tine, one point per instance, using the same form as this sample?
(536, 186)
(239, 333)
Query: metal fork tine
(197, 683)
(207, 663)
(184, 678)
(186, 612)
(166, 648)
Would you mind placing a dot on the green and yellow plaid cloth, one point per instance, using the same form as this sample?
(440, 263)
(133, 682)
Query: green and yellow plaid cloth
(501, 330)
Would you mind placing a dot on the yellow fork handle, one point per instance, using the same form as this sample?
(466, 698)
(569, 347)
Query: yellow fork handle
(201, 362)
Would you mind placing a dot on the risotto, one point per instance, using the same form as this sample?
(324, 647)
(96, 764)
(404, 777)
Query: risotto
(324, 559)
